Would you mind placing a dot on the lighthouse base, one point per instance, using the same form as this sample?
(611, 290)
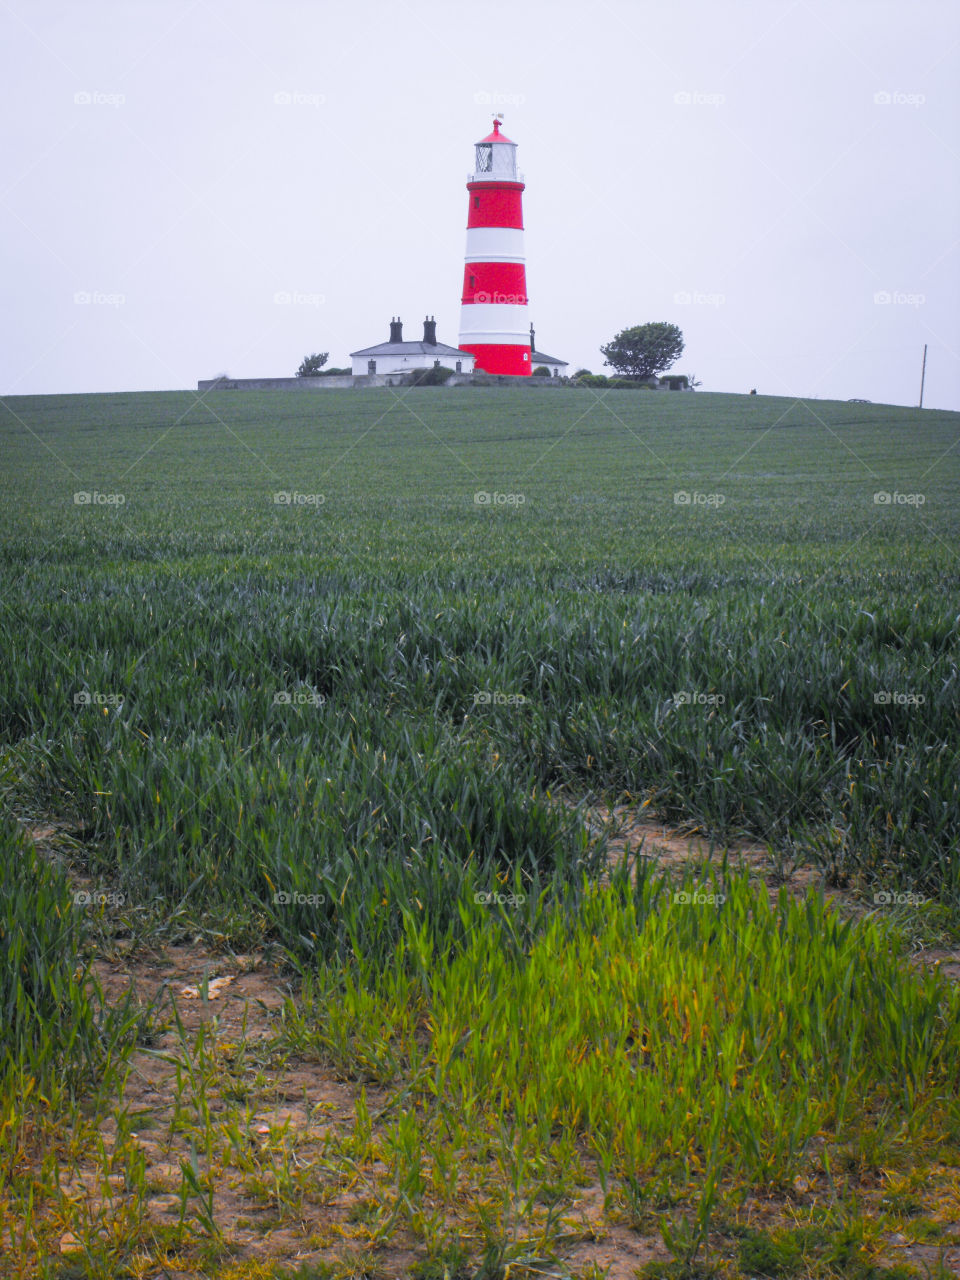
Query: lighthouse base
(500, 357)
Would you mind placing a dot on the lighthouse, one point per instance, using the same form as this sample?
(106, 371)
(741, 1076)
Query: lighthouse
(494, 323)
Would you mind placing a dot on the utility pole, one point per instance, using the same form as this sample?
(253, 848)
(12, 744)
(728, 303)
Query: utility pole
(923, 373)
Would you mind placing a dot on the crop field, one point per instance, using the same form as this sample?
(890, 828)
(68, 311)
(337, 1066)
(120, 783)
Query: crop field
(339, 697)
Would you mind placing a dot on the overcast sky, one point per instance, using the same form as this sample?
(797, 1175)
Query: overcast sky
(193, 187)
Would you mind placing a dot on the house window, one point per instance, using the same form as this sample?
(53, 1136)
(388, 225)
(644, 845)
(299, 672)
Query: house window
(371, 366)
(459, 368)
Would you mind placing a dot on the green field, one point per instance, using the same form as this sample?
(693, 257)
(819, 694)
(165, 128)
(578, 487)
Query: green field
(324, 725)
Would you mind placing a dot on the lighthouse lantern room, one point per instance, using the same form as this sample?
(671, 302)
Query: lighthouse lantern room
(494, 322)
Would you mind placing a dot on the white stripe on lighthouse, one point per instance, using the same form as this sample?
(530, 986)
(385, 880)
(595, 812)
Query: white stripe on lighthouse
(494, 322)
(494, 244)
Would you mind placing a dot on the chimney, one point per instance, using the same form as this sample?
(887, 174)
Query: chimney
(430, 331)
(396, 330)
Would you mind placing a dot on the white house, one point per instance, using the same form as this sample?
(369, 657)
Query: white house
(538, 359)
(397, 356)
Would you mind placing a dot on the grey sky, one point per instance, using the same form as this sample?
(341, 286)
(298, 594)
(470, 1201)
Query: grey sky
(763, 174)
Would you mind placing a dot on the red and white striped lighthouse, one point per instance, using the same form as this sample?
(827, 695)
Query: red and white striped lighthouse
(494, 325)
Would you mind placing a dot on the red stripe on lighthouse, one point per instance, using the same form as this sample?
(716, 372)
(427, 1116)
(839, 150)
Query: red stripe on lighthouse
(495, 282)
(500, 357)
(495, 205)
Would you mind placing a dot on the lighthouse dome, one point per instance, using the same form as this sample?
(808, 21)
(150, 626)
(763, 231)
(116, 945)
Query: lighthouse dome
(496, 157)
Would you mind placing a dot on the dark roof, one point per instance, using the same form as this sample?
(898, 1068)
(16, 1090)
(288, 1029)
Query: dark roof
(411, 349)
(539, 355)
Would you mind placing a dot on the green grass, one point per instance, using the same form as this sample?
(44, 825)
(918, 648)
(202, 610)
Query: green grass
(781, 1021)
(334, 725)
(813, 632)
(57, 1035)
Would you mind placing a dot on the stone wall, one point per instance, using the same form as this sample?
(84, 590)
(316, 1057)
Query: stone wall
(368, 380)
(301, 384)
(501, 380)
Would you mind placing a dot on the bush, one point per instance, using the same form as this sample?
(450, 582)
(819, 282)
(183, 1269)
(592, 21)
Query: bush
(541, 371)
(632, 384)
(587, 379)
(434, 377)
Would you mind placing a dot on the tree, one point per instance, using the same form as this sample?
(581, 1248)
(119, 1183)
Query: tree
(311, 365)
(644, 350)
